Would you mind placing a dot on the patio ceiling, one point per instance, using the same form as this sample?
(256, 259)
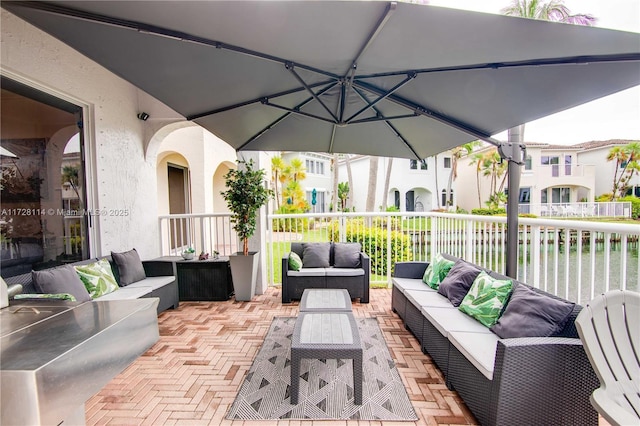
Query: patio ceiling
(396, 80)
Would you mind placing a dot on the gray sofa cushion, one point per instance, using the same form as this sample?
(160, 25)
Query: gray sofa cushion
(347, 255)
(62, 279)
(130, 267)
(531, 314)
(316, 255)
(458, 281)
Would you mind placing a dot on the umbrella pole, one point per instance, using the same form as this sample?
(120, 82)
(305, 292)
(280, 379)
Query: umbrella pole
(514, 153)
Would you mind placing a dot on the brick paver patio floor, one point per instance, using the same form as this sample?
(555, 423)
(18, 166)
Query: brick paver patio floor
(191, 375)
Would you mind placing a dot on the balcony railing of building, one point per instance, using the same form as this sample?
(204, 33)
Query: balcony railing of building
(578, 210)
(573, 259)
(546, 171)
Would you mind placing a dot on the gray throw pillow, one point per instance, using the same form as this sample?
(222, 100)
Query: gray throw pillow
(130, 267)
(458, 281)
(531, 314)
(315, 255)
(346, 255)
(62, 279)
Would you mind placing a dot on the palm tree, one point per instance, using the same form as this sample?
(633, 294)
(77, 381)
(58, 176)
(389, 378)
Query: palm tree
(476, 160)
(71, 175)
(387, 181)
(343, 194)
(349, 178)
(456, 154)
(371, 190)
(493, 167)
(551, 10)
(297, 171)
(627, 160)
(277, 169)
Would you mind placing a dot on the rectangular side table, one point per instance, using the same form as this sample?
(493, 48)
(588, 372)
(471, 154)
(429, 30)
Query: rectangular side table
(332, 335)
(202, 280)
(325, 299)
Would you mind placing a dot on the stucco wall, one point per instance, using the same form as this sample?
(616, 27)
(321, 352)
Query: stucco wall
(203, 154)
(122, 181)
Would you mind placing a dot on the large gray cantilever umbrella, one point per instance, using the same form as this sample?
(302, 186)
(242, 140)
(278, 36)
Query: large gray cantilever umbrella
(367, 77)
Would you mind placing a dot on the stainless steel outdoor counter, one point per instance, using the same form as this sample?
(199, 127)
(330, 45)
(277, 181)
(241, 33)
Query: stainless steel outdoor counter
(55, 355)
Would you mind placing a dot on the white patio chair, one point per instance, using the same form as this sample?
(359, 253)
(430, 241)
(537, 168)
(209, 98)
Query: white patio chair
(609, 327)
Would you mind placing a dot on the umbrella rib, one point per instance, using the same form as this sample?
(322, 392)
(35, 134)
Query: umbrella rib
(390, 125)
(383, 118)
(389, 10)
(280, 119)
(297, 111)
(381, 97)
(158, 31)
(331, 83)
(575, 60)
(422, 110)
(291, 69)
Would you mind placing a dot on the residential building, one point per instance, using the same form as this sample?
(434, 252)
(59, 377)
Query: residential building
(413, 185)
(595, 152)
(551, 174)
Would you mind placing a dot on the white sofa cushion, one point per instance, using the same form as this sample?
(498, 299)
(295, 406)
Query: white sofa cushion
(404, 284)
(153, 282)
(478, 348)
(428, 298)
(446, 320)
(344, 272)
(125, 293)
(308, 272)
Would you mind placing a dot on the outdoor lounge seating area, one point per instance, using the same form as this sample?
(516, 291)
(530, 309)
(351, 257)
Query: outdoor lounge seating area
(325, 265)
(518, 362)
(121, 276)
(205, 350)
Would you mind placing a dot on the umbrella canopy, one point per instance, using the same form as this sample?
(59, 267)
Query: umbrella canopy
(380, 78)
(362, 77)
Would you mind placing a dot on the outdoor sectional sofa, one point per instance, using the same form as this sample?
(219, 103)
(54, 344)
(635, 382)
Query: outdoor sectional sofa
(503, 381)
(328, 265)
(158, 280)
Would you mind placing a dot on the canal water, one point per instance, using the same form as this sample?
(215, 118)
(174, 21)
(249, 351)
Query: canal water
(572, 275)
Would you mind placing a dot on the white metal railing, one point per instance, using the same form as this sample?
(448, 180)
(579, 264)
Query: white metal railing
(575, 259)
(570, 258)
(206, 233)
(576, 210)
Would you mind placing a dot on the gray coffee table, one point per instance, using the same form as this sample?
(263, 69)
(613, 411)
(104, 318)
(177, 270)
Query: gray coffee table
(325, 299)
(322, 335)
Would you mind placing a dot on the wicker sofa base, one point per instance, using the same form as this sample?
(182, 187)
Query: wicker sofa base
(535, 380)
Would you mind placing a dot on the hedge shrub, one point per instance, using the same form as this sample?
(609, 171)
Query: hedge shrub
(489, 212)
(374, 243)
(635, 205)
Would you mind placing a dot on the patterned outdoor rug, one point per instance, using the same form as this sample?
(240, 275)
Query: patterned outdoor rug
(326, 386)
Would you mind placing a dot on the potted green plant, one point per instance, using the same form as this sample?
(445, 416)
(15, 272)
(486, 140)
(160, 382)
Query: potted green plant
(245, 194)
